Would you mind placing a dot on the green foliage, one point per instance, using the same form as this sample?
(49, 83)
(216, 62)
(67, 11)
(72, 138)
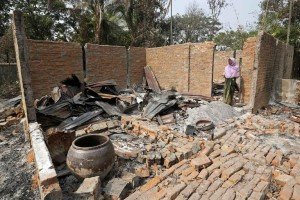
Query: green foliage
(121, 22)
(274, 20)
(144, 19)
(38, 21)
(134, 22)
(7, 53)
(193, 26)
(4, 15)
(233, 39)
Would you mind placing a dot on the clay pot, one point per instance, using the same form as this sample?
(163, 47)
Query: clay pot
(91, 155)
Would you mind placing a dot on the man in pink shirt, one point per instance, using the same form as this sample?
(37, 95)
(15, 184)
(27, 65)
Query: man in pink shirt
(232, 72)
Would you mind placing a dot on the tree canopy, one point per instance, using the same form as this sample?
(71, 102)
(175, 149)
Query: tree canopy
(233, 39)
(275, 18)
(194, 25)
(140, 22)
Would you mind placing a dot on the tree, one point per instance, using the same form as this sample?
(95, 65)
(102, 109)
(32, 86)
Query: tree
(274, 20)
(215, 7)
(7, 47)
(38, 22)
(144, 19)
(119, 22)
(5, 6)
(233, 39)
(193, 26)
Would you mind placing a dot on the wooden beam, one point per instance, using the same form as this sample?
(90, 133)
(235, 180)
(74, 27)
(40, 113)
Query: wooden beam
(22, 57)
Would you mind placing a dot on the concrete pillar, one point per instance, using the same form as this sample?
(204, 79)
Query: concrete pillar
(22, 57)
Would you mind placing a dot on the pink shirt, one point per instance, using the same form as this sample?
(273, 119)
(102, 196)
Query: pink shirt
(232, 71)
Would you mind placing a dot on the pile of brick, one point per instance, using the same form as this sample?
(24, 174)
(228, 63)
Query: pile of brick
(261, 125)
(163, 146)
(234, 166)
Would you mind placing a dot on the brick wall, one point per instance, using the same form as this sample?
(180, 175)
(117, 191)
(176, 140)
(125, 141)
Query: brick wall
(106, 62)
(248, 56)
(238, 55)
(289, 58)
(52, 62)
(282, 67)
(186, 68)
(170, 65)
(263, 71)
(201, 68)
(137, 62)
(296, 64)
(278, 70)
(266, 61)
(220, 61)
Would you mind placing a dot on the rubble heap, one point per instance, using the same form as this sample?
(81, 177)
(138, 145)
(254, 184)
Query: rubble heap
(236, 165)
(170, 145)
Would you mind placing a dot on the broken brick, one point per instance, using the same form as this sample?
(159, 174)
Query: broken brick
(201, 162)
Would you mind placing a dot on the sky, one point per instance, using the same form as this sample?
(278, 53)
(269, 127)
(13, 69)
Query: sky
(238, 12)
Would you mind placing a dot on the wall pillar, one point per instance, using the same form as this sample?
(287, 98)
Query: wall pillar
(22, 58)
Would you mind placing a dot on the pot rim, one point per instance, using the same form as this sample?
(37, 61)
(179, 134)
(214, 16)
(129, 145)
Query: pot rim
(93, 147)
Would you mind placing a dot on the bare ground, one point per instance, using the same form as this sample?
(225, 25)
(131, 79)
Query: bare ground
(15, 172)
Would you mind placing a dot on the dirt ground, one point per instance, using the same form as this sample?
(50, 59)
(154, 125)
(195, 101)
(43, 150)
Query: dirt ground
(15, 172)
(9, 90)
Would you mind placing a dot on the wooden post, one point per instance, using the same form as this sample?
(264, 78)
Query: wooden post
(22, 58)
(290, 19)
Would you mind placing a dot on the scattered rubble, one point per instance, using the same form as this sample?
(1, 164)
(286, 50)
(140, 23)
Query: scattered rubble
(237, 165)
(16, 165)
(169, 145)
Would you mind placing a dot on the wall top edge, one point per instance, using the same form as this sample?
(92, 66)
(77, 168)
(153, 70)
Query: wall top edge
(52, 42)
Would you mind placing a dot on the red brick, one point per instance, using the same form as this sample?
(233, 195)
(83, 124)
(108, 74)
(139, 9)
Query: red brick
(262, 186)
(216, 174)
(293, 159)
(296, 170)
(296, 192)
(271, 155)
(174, 192)
(257, 196)
(150, 184)
(160, 194)
(287, 191)
(277, 160)
(215, 185)
(203, 174)
(218, 194)
(57, 60)
(201, 162)
(203, 187)
(188, 171)
(283, 179)
(229, 194)
(232, 169)
(110, 65)
(187, 192)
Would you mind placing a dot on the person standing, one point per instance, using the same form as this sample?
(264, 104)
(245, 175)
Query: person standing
(232, 72)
